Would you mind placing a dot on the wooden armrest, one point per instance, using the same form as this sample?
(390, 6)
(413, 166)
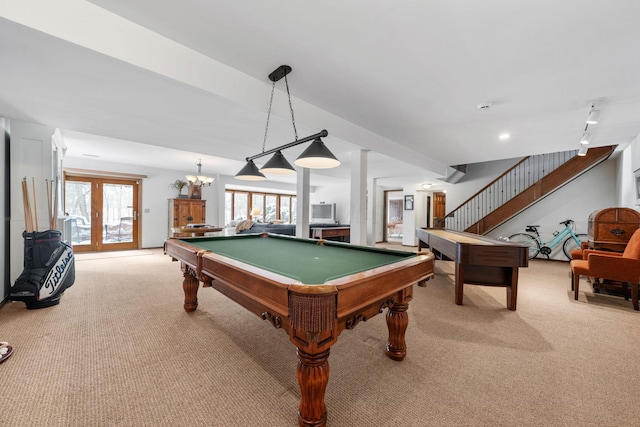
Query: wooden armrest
(587, 252)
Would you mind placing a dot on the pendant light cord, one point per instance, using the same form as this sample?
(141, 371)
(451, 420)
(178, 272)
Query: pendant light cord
(266, 130)
(293, 120)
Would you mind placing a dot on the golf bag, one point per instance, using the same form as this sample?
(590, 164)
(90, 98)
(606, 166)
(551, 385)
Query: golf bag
(49, 269)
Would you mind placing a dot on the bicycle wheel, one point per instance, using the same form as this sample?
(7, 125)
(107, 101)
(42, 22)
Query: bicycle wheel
(527, 240)
(570, 244)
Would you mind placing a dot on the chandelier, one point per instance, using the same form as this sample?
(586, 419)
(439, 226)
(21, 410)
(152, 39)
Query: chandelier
(199, 179)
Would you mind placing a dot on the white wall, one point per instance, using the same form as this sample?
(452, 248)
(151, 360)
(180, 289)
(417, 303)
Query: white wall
(416, 218)
(338, 194)
(31, 157)
(597, 189)
(592, 191)
(628, 162)
(4, 288)
(477, 177)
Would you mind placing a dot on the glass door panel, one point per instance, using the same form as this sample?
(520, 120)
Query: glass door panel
(78, 209)
(117, 213)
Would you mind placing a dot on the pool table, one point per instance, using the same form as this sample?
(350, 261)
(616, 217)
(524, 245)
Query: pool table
(312, 289)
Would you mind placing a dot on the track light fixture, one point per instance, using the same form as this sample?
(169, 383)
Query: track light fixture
(316, 156)
(594, 116)
(592, 119)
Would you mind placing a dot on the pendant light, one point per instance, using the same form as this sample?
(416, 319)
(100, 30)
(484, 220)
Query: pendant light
(316, 156)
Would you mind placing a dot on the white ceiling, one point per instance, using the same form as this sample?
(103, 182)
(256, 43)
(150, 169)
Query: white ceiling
(166, 83)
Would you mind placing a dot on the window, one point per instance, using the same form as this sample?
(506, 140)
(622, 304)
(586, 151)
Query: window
(241, 205)
(285, 209)
(271, 207)
(257, 206)
(228, 207)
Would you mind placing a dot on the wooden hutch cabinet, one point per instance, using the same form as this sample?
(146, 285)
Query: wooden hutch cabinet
(610, 229)
(186, 211)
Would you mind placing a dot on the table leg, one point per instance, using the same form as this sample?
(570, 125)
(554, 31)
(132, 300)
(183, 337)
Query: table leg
(313, 376)
(397, 322)
(459, 277)
(190, 285)
(512, 290)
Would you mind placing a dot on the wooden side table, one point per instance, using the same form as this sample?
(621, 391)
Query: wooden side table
(193, 231)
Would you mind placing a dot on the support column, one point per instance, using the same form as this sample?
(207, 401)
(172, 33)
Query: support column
(372, 217)
(303, 184)
(358, 207)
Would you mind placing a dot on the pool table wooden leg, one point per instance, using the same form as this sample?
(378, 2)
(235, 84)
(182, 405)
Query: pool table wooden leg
(313, 376)
(190, 285)
(397, 322)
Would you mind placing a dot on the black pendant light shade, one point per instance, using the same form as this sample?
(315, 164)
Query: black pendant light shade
(250, 172)
(317, 156)
(278, 165)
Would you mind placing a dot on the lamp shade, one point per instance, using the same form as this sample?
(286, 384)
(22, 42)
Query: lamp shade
(317, 156)
(586, 137)
(278, 165)
(250, 172)
(583, 151)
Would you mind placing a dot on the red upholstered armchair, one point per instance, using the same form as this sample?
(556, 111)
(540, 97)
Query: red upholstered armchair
(619, 267)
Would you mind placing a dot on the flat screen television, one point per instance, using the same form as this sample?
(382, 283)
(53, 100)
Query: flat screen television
(324, 213)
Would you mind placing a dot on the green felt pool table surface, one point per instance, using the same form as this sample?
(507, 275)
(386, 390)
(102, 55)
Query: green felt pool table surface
(305, 260)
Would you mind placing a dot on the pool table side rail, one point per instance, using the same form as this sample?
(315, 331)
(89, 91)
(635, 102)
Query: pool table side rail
(358, 290)
(256, 289)
(184, 252)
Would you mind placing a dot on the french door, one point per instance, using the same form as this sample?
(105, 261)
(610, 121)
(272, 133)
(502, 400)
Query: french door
(103, 213)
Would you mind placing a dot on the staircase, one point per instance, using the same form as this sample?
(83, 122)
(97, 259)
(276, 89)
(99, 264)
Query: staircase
(526, 183)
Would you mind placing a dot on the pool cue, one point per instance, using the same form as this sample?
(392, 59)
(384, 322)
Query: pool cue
(55, 204)
(35, 205)
(48, 191)
(28, 219)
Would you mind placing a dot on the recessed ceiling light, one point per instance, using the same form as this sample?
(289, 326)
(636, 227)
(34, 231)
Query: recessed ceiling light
(504, 136)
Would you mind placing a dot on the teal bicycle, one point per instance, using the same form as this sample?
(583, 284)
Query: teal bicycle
(536, 246)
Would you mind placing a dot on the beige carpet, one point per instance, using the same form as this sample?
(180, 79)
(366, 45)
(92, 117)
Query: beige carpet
(119, 350)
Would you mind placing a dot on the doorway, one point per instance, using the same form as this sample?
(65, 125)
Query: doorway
(393, 215)
(103, 213)
(439, 209)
